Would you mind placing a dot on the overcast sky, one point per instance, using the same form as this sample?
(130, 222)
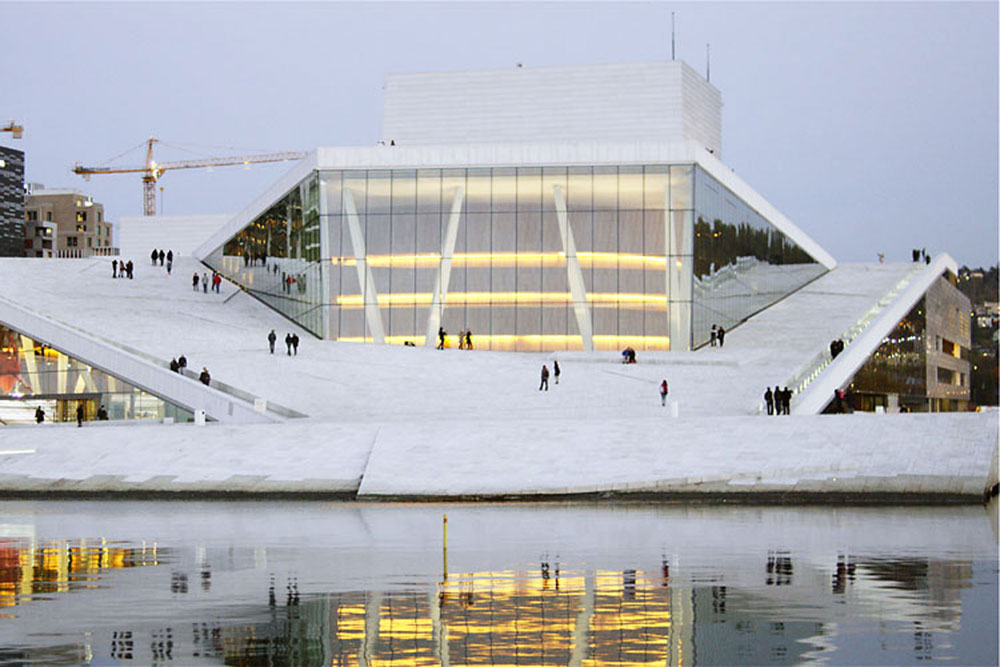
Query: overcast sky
(873, 126)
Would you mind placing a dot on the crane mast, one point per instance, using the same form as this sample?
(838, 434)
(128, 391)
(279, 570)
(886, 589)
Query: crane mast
(152, 170)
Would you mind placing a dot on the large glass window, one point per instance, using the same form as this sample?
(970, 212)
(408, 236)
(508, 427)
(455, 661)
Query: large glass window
(34, 376)
(898, 367)
(742, 263)
(526, 258)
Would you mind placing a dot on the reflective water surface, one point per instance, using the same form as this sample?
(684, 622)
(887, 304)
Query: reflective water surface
(289, 583)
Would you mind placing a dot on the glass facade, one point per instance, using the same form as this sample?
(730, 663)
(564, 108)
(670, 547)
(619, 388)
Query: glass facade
(524, 258)
(898, 367)
(742, 263)
(277, 257)
(922, 365)
(34, 375)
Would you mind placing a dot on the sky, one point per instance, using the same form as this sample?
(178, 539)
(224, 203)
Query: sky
(873, 126)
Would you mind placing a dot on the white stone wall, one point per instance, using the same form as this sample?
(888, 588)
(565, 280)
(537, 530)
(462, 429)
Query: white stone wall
(619, 102)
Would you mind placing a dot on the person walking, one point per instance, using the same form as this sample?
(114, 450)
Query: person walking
(786, 400)
(722, 336)
(205, 377)
(161, 255)
(39, 415)
(114, 268)
(216, 281)
(153, 255)
(204, 283)
(664, 390)
(555, 369)
(441, 336)
(102, 414)
(271, 337)
(174, 366)
(769, 401)
(194, 281)
(182, 363)
(128, 269)
(79, 415)
(295, 344)
(288, 343)
(776, 397)
(545, 378)
(468, 339)
(714, 336)
(170, 255)
(461, 339)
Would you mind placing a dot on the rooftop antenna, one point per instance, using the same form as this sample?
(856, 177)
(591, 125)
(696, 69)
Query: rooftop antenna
(708, 62)
(673, 38)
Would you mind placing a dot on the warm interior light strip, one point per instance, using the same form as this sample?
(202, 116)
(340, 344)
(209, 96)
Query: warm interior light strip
(592, 260)
(539, 341)
(504, 298)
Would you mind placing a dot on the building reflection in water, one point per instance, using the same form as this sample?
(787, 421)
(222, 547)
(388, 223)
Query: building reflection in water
(551, 615)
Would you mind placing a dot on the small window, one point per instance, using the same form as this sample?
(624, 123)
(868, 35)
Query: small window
(100, 216)
(81, 216)
(48, 216)
(31, 216)
(71, 241)
(90, 242)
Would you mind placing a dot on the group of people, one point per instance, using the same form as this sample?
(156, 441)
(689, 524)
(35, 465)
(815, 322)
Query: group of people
(121, 269)
(159, 255)
(464, 339)
(291, 342)
(545, 375)
(779, 401)
(204, 281)
(836, 347)
(102, 414)
(252, 260)
(920, 254)
(717, 335)
(178, 364)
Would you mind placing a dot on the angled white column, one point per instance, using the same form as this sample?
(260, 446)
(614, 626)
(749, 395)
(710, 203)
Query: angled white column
(27, 350)
(574, 275)
(679, 279)
(443, 276)
(372, 313)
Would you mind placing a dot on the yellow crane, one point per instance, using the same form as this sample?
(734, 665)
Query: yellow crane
(11, 126)
(153, 170)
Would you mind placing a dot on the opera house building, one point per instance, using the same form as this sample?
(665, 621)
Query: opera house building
(577, 208)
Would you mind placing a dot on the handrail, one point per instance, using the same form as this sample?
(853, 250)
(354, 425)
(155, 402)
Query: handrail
(273, 408)
(812, 369)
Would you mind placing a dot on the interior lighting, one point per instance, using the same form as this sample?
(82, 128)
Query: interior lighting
(511, 342)
(504, 298)
(592, 260)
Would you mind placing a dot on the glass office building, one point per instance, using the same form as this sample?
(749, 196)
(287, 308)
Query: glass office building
(527, 258)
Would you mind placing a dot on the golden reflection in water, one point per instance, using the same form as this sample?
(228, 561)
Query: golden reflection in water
(498, 618)
(58, 567)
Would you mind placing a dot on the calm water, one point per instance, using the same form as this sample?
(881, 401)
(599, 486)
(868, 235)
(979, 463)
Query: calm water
(276, 583)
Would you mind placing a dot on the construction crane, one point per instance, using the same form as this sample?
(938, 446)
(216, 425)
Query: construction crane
(11, 126)
(153, 170)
